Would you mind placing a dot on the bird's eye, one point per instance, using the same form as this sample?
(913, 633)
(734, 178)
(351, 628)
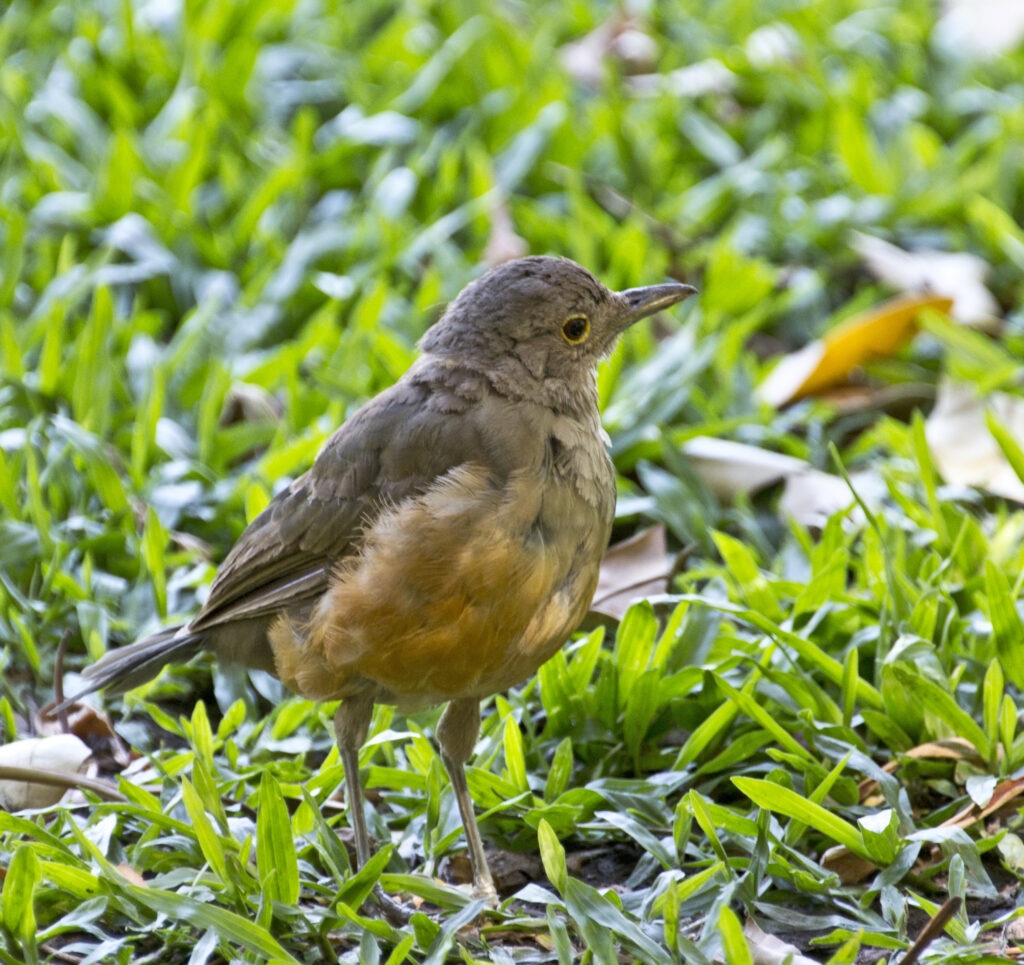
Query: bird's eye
(575, 329)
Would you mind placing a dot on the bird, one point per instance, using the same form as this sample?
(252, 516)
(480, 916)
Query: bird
(447, 538)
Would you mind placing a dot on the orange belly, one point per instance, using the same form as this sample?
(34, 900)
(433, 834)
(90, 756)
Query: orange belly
(453, 595)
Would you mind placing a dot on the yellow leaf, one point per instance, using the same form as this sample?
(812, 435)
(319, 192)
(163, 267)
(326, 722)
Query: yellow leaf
(876, 333)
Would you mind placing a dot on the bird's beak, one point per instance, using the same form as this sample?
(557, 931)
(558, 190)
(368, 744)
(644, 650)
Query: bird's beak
(650, 299)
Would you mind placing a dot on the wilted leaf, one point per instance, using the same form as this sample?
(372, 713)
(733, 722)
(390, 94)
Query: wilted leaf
(851, 868)
(632, 570)
(876, 333)
(950, 748)
(965, 451)
(957, 275)
(63, 753)
(769, 950)
(503, 244)
(88, 724)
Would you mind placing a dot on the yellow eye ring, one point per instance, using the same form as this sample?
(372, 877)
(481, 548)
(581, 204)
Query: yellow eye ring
(575, 329)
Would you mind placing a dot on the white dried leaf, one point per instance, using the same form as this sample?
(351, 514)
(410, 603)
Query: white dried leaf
(772, 44)
(62, 752)
(768, 950)
(694, 80)
(957, 275)
(730, 469)
(964, 451)
(981, 28)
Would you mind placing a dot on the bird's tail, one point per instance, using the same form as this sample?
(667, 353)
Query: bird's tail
(127, 667)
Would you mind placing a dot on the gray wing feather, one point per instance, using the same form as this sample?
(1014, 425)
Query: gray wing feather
(393, 448)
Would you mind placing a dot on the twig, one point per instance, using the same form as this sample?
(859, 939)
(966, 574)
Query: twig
(58, 682)
(932, 929)
(63, 956)
(38, 775)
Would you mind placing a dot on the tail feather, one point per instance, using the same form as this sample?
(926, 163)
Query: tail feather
(127, 667)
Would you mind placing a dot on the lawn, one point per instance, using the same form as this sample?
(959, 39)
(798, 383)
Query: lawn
(223, 226)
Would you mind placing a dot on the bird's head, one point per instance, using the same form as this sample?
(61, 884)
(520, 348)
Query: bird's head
(549, 315)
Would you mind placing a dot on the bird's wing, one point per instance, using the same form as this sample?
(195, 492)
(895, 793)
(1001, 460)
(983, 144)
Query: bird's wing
(393, 448)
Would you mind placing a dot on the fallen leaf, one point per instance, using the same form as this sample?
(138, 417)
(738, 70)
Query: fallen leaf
(768, 950)
(621, 37)
(63, 753)
(1014, 930)
(851, 868)
(632, 570)
(876, 333)
(957, 275)
(635, 49)
(812, 496)
(246, 402)
(964, 450)
(503, 244)
(981, 789)
(694, 80)
(772, 44)
(730, 469)
(127, 872)
(981, 28)
(949, 748)
(1006, 793)
(88, 724)
(809, 496)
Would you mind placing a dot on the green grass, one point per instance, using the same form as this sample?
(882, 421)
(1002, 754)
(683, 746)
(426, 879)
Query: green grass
(223, 228)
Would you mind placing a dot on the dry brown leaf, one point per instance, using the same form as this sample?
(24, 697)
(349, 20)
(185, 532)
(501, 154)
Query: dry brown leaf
(851, 868)
(1005, 793)
(964, 451)
(768, 950)
(1014, 930)
(957, 275)
(632, 570)
(88, 724)
(503, 244)
(876, 333)
(949, 749)
(63, 753)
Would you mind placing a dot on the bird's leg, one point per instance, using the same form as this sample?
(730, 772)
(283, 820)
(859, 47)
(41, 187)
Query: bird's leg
(351, 725)
(457, 732)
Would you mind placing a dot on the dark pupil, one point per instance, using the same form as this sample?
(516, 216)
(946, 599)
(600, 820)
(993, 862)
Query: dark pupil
(575, 328)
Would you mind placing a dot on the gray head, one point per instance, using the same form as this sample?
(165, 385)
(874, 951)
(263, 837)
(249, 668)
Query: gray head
(548, 317)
